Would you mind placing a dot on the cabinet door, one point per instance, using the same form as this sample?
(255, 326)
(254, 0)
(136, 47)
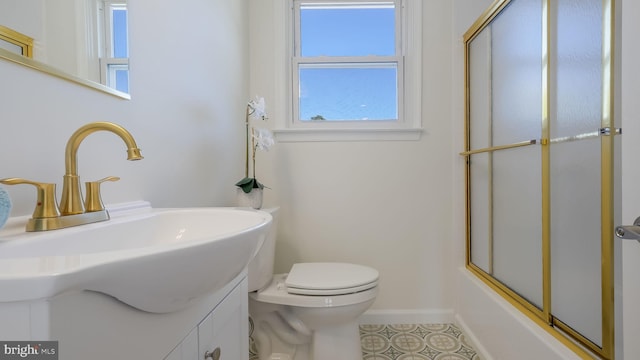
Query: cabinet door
(187, 349)
(227, 327)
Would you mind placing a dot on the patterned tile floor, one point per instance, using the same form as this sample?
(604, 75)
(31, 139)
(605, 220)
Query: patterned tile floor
(415, 342)
(408, 342)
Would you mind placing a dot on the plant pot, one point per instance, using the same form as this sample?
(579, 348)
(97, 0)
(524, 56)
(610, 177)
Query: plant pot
(253, 199)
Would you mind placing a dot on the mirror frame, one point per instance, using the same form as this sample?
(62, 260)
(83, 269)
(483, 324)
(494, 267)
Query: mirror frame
(21, 40)
(26, 43)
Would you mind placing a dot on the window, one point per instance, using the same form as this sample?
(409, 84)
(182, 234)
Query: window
(347, 61)
(114, 62)
(348, 66)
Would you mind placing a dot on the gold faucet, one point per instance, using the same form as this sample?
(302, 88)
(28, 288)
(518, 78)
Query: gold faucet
(71, 198)
(72, 211)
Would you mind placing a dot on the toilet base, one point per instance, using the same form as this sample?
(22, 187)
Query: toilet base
(276, 341)
(341, 342)
(336, 342)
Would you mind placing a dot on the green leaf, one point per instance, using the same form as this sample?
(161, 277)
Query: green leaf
(247, 184)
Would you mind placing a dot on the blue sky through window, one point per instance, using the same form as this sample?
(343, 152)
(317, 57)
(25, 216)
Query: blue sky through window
(120, 45)
(348, 91)
(122, 81)
(354, 31)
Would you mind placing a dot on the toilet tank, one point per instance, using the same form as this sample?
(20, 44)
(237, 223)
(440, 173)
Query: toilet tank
(260, 270)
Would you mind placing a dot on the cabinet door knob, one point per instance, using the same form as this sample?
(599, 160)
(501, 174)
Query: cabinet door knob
(213, 355)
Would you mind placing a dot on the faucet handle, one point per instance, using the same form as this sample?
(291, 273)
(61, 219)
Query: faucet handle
(93, 199)
(46, 206)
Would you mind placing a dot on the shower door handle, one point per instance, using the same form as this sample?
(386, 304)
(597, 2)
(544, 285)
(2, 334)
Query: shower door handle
(631, 232)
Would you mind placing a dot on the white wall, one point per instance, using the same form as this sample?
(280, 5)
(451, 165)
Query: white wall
(189, 87)
(629, 312)
(384, 204)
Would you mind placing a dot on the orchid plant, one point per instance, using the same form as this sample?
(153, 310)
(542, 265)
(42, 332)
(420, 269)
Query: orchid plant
(258, 138)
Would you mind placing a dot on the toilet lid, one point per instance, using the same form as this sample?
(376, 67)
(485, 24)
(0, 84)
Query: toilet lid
(330, 278)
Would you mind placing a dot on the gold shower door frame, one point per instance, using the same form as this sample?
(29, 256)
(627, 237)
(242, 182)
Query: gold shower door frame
(544, 317)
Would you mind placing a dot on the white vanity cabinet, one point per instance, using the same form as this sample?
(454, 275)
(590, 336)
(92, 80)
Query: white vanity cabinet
(91, 325)
(223, 334)
(226, 329)
(187, 349)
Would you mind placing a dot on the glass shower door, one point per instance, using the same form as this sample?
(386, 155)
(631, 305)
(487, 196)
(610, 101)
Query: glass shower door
(539, 147)
(505, 97)
(576, 94)
(516, 114)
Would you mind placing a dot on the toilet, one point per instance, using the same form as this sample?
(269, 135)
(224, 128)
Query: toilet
(311, 312)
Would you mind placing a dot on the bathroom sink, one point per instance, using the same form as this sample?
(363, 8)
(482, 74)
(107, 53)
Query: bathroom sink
(157, 260)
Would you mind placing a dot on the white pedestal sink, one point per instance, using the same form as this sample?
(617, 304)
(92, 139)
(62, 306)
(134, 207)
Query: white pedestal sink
(147, 284)
(155, 260)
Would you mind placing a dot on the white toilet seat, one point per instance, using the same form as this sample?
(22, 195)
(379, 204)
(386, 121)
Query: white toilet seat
(276, 293)
(331, 292)
(329, 279)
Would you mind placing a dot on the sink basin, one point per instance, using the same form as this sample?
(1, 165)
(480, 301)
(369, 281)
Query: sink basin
(156, 260)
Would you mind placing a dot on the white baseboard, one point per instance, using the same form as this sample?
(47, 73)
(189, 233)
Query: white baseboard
(413, 316)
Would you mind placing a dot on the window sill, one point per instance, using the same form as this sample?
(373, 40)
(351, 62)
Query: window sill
(329, 135)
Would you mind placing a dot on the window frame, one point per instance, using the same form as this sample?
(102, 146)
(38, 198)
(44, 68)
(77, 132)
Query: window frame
(408, 58)
(359, 62)
(108, 63)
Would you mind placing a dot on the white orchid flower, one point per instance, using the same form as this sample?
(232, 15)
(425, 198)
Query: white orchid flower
(263, 139)
(258, 108)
